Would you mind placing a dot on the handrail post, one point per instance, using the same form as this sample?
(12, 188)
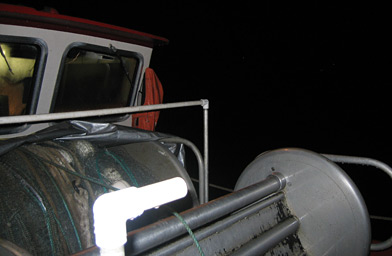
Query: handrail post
(206, 105)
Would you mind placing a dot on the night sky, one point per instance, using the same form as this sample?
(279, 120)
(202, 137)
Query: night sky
(314, 74)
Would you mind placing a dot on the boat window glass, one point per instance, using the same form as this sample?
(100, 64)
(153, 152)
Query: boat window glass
(96, 78)
(18, 63)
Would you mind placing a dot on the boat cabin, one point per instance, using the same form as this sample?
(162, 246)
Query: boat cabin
(52, 63)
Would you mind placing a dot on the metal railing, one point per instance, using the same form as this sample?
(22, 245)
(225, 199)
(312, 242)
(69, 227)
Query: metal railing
(368, 162)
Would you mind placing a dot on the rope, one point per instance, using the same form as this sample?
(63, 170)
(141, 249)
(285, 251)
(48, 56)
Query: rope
(85, 177)
(66, 209)
(37, 197)
(97, 169)
(34, 195)
(15, 217)
(52, 214)
(124, 166)
(190, 232)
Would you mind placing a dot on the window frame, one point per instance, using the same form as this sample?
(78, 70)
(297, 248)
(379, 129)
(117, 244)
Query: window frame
(37, 78)
(104, 50)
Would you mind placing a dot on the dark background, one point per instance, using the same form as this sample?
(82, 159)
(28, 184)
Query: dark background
(309, 74)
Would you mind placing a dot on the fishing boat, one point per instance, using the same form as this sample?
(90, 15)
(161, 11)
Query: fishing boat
(83, 170)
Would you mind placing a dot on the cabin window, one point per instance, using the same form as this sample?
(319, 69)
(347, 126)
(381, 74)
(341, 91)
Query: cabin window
(18, 64)
(96, 78)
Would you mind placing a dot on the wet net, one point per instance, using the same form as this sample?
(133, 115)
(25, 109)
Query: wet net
(47, 191)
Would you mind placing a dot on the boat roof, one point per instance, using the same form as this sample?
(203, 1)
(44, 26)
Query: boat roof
(27, 16)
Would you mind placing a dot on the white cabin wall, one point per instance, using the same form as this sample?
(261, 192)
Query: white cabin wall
(57, 42)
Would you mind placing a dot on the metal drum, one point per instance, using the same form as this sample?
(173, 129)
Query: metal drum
(332, 214)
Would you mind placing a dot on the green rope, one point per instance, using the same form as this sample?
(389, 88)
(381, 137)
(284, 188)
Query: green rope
(64, 234)
(38, 199)
(84, 177)
(33, 194)
(26, 236)
(190, 232)
(35, 157)
(97, 169)
(66, 209)
(39, 159)
(124, 166)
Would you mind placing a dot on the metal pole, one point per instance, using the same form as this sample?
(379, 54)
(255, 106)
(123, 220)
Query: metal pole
(217, 227)
(360, 160)
(206, 160)
(269, 239)
(91, 113)
(200, 163)
(165, 230)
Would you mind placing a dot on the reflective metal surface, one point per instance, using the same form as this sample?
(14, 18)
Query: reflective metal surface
(333, 216)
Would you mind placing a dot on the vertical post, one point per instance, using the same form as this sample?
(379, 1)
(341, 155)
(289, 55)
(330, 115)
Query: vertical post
(206, 105)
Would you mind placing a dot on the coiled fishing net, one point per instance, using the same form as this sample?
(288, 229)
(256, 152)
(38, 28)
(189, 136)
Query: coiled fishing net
(47, 191)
